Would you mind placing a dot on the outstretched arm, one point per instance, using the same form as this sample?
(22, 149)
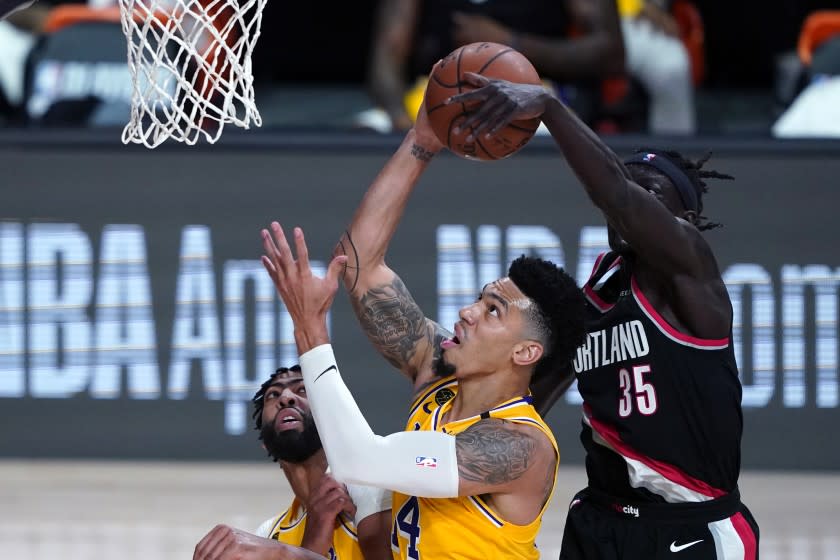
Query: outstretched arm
(666, 243)
(388, 314)
(490, 457)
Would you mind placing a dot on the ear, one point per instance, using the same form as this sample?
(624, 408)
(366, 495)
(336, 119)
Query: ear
(690, 216)
(527, 353)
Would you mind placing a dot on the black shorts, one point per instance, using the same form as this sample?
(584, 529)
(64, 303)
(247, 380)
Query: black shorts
(599, 527)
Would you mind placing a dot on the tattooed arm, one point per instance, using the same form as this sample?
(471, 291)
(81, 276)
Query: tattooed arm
(509, 462)
(390, 317)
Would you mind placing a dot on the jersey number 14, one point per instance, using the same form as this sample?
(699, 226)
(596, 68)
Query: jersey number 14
(407, 524)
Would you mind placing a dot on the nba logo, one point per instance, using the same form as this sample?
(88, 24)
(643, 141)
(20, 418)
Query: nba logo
(649, 157)
(430, 462)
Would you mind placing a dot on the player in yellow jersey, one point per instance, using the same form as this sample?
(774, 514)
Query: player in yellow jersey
(472, 475)
(324, 515)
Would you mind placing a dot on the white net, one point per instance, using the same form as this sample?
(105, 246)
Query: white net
(190, 61)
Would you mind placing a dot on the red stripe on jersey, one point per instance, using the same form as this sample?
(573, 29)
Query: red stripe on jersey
(672, 473)
(598, 260)
(746, 534)
(671, 332)
(595, 299)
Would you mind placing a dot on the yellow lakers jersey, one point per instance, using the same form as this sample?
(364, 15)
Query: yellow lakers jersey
(288, 527)
(465, 527)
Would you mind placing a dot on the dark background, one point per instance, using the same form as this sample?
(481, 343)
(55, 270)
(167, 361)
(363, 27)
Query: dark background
(780, 210)
(329, 42)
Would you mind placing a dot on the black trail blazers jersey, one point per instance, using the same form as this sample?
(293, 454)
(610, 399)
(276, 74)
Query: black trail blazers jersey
(662, 410)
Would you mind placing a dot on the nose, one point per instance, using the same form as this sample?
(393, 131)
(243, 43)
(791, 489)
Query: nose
(287, 398)
(467, 314)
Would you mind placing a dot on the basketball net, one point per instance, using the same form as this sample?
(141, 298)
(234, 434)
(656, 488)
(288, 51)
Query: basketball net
(190, 62)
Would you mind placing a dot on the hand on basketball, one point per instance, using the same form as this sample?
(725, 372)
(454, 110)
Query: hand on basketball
(307, 297)
(228, 543)
(498, 103)
(328, 500)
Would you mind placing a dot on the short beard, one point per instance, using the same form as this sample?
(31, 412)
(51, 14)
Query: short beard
(291, 446)
(441, 367)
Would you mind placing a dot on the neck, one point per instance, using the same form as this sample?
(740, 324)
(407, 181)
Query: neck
(478, 394)
(302, 476)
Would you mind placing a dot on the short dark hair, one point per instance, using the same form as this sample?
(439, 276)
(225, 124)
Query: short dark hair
(559, 311)
(693, 170)
(259, 396)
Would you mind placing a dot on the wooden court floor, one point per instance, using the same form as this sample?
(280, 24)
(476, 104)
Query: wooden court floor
(158, 511)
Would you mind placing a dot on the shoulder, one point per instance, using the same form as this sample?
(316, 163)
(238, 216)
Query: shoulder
(498, 435)
(433, 394)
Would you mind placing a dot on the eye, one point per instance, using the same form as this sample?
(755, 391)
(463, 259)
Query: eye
(301, 390)
(272, 394)
(493, 310)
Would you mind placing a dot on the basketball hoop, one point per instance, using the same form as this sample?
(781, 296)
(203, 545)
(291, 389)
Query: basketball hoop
(190, 62)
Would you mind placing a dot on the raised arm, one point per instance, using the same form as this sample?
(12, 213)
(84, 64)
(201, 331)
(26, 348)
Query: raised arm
(388, 314)
(393, 35)
(490, 457)
(668, 244)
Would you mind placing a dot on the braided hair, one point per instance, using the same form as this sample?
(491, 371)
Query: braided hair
(693, 169)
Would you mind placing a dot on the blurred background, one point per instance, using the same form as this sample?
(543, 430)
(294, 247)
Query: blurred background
(136, 320)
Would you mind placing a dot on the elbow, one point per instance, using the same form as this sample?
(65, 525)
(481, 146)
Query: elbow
(349, 470)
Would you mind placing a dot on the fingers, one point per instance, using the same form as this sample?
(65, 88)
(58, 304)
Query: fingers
(302, 252)
(336, 269)
(269, 266)
(490, 118)
(480, 94)
(271, 254)
(349, 508)
(475, 79)
(325, 485)
(214, 543)
(284, 252)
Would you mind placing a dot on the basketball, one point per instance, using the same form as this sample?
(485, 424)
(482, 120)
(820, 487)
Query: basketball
(493, 61)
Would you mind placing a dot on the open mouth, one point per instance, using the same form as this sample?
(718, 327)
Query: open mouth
(287, 420)
(452, 342)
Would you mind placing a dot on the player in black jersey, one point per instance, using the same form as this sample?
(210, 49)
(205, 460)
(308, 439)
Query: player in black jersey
(662, 415)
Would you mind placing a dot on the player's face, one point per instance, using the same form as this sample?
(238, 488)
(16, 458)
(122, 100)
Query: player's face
(488, 331)
(288, 429)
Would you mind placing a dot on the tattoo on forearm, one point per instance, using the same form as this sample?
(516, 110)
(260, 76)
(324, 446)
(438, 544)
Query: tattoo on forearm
(490, 452)
(421, 153)
(352, 263)
(392, 320)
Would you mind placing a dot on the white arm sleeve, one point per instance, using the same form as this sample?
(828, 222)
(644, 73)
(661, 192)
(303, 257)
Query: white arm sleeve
(264, 530)
(369, 500)
(420, 464)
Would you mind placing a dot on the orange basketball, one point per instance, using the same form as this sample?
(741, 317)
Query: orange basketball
(493, 61)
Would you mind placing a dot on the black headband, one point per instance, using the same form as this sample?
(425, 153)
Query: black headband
(685, 188)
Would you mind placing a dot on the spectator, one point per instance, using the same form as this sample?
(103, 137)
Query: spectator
(570, 42)
(657, 58)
